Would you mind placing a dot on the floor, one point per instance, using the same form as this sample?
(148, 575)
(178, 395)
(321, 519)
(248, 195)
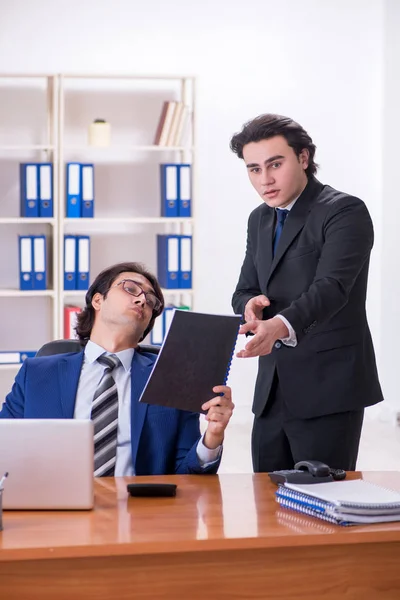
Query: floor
(379, 448)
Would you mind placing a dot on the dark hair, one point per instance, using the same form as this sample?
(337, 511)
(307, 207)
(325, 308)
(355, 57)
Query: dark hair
(267, 126)
(102, 284)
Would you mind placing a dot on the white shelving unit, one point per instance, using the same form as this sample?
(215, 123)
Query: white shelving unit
(45, 118)
(28, 132)
(139, 100)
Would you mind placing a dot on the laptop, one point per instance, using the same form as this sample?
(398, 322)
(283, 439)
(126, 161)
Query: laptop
(49, 463)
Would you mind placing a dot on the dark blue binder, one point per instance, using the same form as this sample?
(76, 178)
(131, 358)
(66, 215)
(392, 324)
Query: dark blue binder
(87, 188)
(39, 262)
(185, 190)
(169, 173)
(185, 268)
(70, 262)
(29, 189)
(45, 190)
(25, 262)
(73, 190)
(82, 262)
(15, 356)
(168, 261)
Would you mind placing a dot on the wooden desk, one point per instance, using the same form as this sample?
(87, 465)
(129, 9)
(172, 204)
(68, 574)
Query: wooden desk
(221, 537)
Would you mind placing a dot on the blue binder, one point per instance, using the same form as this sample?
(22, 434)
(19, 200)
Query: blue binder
(45, 190)
(39, 262)
(87, 184)
(168, 261)
(169, 190)
(185, 270)
(157, 333)
(167, 317)
(29, 189)
(27, 354)
(25, 262)
(82, 262)
(15, 356)
(185, 190)
(70, 262)
(74, 190)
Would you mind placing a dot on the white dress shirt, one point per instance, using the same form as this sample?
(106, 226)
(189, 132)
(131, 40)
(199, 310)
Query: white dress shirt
(291, 340)
(91, 374)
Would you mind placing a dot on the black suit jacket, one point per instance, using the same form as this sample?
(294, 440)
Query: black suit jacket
(317, 280)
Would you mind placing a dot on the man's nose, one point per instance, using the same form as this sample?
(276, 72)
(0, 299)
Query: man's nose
(141, 299)
(267, 177)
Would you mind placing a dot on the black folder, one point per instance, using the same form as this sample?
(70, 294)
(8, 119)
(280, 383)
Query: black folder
(195, 356)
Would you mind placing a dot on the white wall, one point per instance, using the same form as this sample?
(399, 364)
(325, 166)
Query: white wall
(390, 322)
(320, 62)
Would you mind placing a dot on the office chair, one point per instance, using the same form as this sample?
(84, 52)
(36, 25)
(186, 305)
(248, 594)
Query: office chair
(64, 346)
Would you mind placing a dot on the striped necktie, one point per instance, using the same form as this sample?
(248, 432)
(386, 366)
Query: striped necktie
(105, 419)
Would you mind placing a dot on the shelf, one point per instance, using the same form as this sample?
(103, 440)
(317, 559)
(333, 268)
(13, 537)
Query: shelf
(27, 147)
(10, 366)
(176, 291)
(26, 293)
(74, 293)
(129, 148)
(25, 75)
(124, 76)
(26, 220)
(148, 220)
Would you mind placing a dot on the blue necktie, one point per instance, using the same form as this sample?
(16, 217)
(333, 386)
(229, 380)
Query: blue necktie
(281, 215)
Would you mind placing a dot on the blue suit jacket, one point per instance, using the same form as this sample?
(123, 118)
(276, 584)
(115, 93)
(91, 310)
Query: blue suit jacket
(164, 440)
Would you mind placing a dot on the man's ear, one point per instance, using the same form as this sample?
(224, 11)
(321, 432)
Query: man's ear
(304, 158)
(97, 301)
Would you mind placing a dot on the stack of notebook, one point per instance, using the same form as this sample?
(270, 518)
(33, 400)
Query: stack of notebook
(342, 502)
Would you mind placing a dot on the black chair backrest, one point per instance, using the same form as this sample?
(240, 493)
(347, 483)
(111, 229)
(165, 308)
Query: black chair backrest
(64, 346)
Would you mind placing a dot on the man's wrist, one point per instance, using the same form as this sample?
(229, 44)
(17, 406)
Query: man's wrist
(212, 441)
(281, 329)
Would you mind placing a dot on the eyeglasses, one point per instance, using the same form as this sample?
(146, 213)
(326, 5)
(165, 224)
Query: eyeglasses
(135, 289)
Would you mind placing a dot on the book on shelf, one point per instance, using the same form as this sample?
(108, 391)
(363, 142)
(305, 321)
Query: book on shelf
(165, 122)
(182, 127)
(172, 133)
(173, 124)
(342, 502)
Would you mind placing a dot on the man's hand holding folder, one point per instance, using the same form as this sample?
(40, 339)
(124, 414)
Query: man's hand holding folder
(219, 411)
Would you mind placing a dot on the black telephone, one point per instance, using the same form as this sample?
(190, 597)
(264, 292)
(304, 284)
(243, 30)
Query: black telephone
(307, 471)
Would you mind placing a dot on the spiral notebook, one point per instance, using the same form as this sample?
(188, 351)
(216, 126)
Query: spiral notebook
(195, 356)
(342, 502)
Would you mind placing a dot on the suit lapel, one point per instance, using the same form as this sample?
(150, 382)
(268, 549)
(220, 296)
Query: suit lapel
(295, 220)
(69, 370)
(140, 372)
(267, 228)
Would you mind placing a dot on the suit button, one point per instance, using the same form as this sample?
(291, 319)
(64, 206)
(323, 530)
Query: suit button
(278, 344)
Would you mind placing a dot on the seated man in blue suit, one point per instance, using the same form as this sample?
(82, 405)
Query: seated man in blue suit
(105, 380)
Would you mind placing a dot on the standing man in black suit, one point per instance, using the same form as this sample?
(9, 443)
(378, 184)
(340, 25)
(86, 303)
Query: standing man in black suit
(301, 291)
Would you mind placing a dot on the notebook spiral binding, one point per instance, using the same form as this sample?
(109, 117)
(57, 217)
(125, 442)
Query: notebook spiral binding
(230, 362)
(306, 510)
(342, 506)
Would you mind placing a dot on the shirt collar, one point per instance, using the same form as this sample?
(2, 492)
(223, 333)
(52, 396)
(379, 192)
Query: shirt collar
(289, 206)
(93, 351)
